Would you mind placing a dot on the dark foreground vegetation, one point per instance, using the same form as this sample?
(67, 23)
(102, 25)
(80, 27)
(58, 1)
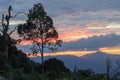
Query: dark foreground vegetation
(18, 67)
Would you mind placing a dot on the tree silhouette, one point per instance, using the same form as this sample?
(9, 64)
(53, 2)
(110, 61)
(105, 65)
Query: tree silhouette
(40, 30)
(55, 65)
(5, 30)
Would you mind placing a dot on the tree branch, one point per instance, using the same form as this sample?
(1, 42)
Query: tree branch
(12, 31)
(3, 24)
(18, 14)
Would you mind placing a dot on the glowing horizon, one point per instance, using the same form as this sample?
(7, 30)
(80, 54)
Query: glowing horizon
(110, 50)
(79, 53)
(74, 53)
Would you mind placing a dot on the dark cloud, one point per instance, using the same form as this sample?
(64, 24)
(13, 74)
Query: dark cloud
(92, 43)
(60, 7)
(71, 6)
(86, 11)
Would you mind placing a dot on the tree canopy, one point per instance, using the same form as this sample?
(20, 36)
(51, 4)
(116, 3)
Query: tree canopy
(38, 25)
(39, 28)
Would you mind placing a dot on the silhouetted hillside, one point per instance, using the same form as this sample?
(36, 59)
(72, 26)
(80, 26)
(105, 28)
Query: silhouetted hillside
(98, 60)
(95, 61)
(69, 60)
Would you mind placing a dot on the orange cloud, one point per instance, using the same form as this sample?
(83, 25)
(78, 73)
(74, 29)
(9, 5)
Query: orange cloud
(76, 32)
(25, 42)
(70, 35)
(74, 35)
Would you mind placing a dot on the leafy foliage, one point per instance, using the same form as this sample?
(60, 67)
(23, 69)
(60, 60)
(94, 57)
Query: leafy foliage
(39, 28)
(38, 25)
(54, 65)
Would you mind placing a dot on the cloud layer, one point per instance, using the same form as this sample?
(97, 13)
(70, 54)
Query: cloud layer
(76, 19)
(92, 43)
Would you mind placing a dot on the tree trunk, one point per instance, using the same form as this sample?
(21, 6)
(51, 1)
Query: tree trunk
(6, 44)
(6, 29)
(42, 55)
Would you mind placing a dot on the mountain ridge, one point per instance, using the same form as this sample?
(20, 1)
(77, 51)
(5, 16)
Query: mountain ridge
(95, 61)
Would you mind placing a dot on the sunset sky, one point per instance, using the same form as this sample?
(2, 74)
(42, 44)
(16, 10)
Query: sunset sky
(83, 25)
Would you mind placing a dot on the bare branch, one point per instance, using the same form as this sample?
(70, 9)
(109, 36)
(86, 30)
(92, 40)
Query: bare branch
(12, 31)
(9, 11)
(18, 14)
(3, 24)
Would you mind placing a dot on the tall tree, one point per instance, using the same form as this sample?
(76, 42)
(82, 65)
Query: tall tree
(5, 30)
(40, 30)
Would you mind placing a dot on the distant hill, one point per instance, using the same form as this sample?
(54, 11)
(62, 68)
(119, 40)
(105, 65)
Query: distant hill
(95, 61)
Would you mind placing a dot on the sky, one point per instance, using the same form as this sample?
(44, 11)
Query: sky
(83, 25)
